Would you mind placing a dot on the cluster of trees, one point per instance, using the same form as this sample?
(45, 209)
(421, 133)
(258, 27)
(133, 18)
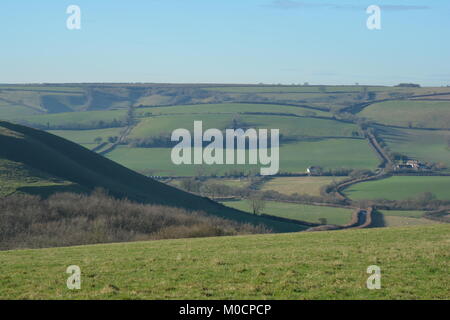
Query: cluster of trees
(75, 219)
(92, 125)
(160, 141)
(408, 85)
(365, 94)
(302, 198)
(214, 189)
(332, 172)
(110, 139)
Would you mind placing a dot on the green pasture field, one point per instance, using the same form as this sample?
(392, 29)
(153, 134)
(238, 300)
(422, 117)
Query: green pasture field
(396, 221)
(294, 158)
(397, 218)
(423, 145)
(410, 113)
(394, 218)
(401, 188)
(328, 154)
(87, 137)
(157, 161)
(301, 185)
(296, 211)
(288, 126)
(153, 100)
(234, 108)
(403, 213)
(8, 111)
(318, 265)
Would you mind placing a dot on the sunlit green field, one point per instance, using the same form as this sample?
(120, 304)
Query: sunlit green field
(421, 114)
(394, 218)
(233, 108)
(295, 211)
(323, 265)
(78, 118)
(294, 157)
(423, 145)
(300, 185)
(288, 126)
(400, 188)
(87, 137)
(15, 176)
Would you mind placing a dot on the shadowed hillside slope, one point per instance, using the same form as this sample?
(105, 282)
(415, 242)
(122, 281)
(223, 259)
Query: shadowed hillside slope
(61, 159)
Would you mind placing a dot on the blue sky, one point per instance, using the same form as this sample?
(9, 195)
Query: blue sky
(228, 41)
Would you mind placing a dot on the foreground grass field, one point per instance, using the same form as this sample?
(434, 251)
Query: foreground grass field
(401, 188)
(414, 264)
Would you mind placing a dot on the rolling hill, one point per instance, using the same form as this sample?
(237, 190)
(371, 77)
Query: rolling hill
(37, 162)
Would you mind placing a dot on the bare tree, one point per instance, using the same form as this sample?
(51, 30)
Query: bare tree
(257, 203)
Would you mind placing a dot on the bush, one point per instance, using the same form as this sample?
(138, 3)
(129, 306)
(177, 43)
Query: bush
(66, 219)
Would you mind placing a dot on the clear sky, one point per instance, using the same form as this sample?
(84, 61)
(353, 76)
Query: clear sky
(227, 41)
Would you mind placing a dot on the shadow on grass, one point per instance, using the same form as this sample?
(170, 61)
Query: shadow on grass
(377, 220)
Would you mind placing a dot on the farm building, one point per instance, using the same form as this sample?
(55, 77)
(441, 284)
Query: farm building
(411, 164)
(314, 170)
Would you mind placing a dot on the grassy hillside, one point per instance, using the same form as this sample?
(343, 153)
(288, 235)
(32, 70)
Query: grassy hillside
(67, 161)
(407, 113)
(326, 265)
(424, 145)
